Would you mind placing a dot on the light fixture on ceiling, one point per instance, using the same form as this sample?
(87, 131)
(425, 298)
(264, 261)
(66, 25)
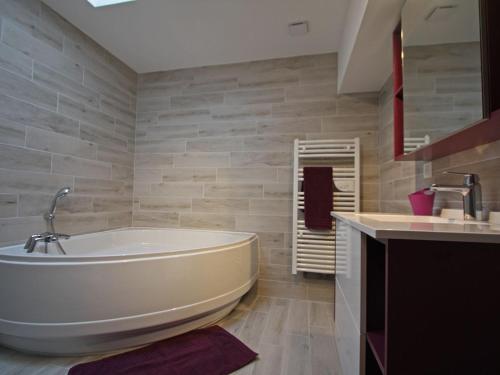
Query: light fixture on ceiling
(441, 13)
(104, 3)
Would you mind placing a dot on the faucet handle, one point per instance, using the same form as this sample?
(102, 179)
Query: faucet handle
(469, 178)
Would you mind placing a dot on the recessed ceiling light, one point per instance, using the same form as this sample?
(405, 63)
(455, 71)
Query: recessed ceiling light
(103, 3)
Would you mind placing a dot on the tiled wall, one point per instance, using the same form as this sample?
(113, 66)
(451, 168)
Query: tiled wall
(213, 151)
(442, 88)
(398, 179)
(67, 118)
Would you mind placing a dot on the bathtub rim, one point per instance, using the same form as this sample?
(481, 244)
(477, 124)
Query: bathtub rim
(40, 258)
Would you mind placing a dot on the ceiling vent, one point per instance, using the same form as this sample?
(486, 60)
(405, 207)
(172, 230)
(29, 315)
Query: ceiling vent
(298, 28)
(104, 3)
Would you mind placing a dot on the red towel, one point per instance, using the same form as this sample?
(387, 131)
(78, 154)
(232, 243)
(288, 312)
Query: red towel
(207, 351)
(318, 197)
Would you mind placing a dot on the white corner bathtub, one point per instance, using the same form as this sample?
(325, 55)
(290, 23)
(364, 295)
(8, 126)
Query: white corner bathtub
(122, 288)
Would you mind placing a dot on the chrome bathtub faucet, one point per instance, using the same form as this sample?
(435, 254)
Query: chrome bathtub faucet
(49, 236)
(46, 237)
(470, 191)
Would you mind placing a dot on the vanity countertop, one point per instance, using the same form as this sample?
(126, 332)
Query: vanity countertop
(407, 227)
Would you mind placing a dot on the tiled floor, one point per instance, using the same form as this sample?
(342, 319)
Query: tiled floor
(291, 337)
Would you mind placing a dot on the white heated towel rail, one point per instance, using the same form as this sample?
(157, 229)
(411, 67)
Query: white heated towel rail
(315, 251)
(412, 144)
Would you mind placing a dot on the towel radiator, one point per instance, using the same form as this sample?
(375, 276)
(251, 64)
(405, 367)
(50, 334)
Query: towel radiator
(313, 250)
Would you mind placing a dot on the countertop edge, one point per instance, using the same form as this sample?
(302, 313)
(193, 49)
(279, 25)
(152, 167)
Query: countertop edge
(418, 235)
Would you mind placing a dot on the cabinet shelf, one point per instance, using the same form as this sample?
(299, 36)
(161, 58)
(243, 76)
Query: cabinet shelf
(376, 341)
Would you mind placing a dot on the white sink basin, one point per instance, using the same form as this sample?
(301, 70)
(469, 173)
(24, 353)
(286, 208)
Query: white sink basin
(392, 218)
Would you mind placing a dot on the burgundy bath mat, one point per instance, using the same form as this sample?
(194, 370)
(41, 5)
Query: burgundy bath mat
(207, 351)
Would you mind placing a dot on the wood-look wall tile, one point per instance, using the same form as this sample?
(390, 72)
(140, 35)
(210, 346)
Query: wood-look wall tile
(189, 174)
(24, 89)
(214, 145)
(348, 123)
(192, 116)
(119, 112)
(311, 92)
(15, 182)
(254, 175)
(148, 160)
(289, 126)
(227, 129)
(171, 131)
(267, 239)
(207, 221)
(17, 158)
(450, 85)
(82, 52)
(232, 190)
(18, 229)
(260, 159)
(19, 39)
(112, 155)
(143, 175)
(260, 223)
(277, 78)
(160, 145)
(80, 167)
(428, 103)
(102, 137)
(96, 187)
(278, 191)
(255, 96)
(225, 205)
(211, 85)
(8, 205)
(247, 112)
(271, 207)
(318, 75)
(122, 173)
(165, 204)
(173, 189)
(110, 204)
(160, 90)
(151, 104)
(79, 111)
(68, 87)
(100, 85)
(196, 100)
(283, 142)
(202, 160)
(15, 61)
(357, 103)
(12, 133)
(305, 109)
(28, 114)
(155, 219)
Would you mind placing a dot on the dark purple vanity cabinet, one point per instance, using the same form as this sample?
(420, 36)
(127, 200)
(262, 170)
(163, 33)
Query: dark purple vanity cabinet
(430, 307)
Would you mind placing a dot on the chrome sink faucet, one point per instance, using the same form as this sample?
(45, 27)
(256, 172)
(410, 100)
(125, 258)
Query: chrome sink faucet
(470, 191)
(50, 235)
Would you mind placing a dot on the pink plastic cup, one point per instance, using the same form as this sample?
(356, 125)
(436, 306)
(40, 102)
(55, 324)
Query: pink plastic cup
(422, 202)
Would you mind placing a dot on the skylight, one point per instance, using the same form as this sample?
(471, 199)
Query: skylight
(103, 3)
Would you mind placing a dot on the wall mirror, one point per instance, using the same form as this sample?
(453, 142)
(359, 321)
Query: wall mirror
(446, 74)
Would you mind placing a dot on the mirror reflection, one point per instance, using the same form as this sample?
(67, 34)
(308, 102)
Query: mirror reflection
(441, 69)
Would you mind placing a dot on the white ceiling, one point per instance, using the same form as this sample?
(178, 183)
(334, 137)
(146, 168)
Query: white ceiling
(460, 25)
(153, 35)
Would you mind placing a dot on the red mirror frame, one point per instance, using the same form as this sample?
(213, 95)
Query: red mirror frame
(481, 132)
